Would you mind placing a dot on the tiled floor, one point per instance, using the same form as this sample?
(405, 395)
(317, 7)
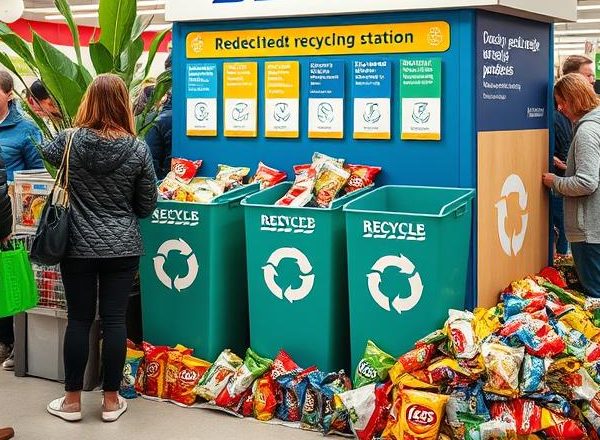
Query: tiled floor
(23, 406)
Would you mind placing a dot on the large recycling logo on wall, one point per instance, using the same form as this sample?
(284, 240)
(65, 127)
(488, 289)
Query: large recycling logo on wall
(306, 276)
(512, 245)
(179, 283)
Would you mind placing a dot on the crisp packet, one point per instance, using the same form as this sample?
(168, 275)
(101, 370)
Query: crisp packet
(232, 177)
(190, 372)
(515, 304)
(526, 415)
(265, 398)
(313, 402)
(466, 400)
(330, 181)
(412, 361)
(368, 407)
(293, 387)
(155, 366)
(421, 415)
(267, 176)
(538, 336)
(218, 375)
(361, 176)
(334, 417)
(568, 430)
(503, 364)
(185, 170)
(487, 321)
(578, 320)
(133, 360)
(533, 371)
(373, 367)
(319, 159)
(300, 192)
(497, 430)
(174, 358)
(462, 336)
(253, 367)
(283, 364)
(577, 344)
(168, 187)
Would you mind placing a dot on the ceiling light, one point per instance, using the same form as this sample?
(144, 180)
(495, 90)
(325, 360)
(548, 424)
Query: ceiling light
(588, 20)
(578, 32)
(95, 14)
(588, 7)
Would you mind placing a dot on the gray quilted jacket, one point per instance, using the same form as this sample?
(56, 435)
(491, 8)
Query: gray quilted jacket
(112, 184)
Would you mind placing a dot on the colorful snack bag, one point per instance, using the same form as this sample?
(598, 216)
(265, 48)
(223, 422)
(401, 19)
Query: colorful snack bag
(411, 361)
(503, 364)
(313, 400)
(526, 415)
(190, 372)
(533, 371)
(130, 372)
(568, 430)
(232, 177)
(553, 276)
(436, 337)
(168, 187)
(253, 367)
(373, 367)
(185, 170)
(267, 176)
(471, 424)
(293, 387)
(335, 418)
(301, 168)
(368, 408)
(466, 400)
(265, 398)
(421, 415)
(361, 176)
(283, 364)
(515, 304)
(246, 405)
(140, 378)
(497, 430)
(301, 191)
(462, 336)
(486, 322)
(155, 366)
(329, 183)
(319, 159)
(577, 344)
(218, 375)
(578, 320)
(538, 336)
(174, 358)
(591, 412)
(444, 371)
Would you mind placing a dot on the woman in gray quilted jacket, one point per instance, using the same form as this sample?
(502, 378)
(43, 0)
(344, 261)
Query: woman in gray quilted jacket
(112, 184)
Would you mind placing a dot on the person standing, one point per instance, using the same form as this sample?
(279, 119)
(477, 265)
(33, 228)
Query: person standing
(576, 99)
(18, 138)
(112, 184)
(159, 139)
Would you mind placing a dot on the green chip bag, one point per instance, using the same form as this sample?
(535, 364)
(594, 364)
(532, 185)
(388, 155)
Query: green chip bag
(373, 367)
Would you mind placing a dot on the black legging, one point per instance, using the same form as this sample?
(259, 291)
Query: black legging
(7, 335)
(86, 281)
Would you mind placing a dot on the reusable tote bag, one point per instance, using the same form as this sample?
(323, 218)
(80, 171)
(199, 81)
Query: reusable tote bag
(18, 291)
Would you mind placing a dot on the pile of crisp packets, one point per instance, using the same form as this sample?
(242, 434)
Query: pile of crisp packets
(316, 184)
(528, 368)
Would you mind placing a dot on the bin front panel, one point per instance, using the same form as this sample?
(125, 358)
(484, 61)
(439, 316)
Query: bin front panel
(405, 272)
(296, 284)
(174, 276)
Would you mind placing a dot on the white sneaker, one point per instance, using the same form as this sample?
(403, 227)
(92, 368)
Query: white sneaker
(112, 416)
(55, 408)
(9, 364)
(5, 351)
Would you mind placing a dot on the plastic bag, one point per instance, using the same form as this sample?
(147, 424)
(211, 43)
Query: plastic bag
(361, 176)
(330, 181)
(503, 364)
(155, 366)
(313, 402)
(465, 400)
(486, 322)
(421, 415)
(293, 387)
(335, 417)
(412, 361)
(538, 336)
(301, 191)
(497, 430)
(265, 398)
(130, 371)
(368, 407)
(526, 415)
(373, 367)
(462, 336)
(190, 372)
(185, 170)
(267, 176)
(218, 375)
(515, 304)
(533, 371)
(232, 177)
(283, 364)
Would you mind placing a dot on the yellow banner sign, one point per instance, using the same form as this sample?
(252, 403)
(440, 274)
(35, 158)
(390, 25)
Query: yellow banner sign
(431, 36)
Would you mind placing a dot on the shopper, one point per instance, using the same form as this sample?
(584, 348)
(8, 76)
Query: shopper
(112, 184)
(577, 100)
(19, 136)
(42, 103)
(159, 141)
(582, 65)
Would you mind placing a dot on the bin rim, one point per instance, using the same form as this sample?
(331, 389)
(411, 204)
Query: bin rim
(225, 198)
(337, 203)
(444, 211)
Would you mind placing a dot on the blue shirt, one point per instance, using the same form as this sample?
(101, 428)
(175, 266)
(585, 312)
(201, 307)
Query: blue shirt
(18, 138)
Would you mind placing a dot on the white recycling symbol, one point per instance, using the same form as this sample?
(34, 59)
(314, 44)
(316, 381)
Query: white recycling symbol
(184, 249)
(512, 245)
(406, 267)
(270, 273)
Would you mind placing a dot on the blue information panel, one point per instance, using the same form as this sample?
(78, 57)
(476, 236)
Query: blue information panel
(201, 99)
(512, 73)
(326, 79)
(372, 84)
(326, 99)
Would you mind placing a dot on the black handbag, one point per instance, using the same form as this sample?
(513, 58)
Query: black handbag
(52, 236)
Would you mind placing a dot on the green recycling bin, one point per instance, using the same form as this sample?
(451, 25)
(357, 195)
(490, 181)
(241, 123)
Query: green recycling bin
(408, 258)
(193, 276)
(297, 281)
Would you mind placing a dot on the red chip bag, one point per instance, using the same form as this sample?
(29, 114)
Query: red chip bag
(301, 168)
(174, 358)
(361, 176)
(155, 369)
(283, 364)
(265, 398)
(267, 176)
(569, 430)
(185, 170)
(554, 276)
(246, 405)
(190, 372)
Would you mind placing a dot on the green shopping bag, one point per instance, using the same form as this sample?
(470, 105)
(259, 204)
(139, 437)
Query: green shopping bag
(18, 291)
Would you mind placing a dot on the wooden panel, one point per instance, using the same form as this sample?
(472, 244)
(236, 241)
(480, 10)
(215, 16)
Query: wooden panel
(508, 163)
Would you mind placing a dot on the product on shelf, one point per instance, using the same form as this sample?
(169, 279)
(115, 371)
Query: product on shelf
(267, 176)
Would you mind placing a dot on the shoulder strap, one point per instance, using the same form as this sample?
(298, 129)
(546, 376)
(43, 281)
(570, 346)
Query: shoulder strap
(62, 177)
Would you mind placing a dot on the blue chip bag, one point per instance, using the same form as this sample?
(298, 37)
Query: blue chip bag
(533, 371)
(293, 390)
(466, 400)
(130, 370)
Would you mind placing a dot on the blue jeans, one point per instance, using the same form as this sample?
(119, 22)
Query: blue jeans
(558, 221)
(587, 263)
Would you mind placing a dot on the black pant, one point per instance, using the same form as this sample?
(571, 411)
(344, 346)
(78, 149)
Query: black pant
(7, 335)
(86, 280)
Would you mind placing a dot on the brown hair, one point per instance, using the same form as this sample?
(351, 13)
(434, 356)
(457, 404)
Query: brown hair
(106, 107)
(7, 83)
(574, 62)
(578, 92)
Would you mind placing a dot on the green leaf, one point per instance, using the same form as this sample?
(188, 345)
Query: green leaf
(59, 74)
(145, 121)
(18, 45)
(101, 58)
(156, 41)
(64, 8)
(116, 18)
(139, 26)
(129, 59)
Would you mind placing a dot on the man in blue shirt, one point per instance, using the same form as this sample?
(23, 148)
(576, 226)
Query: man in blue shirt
(18, 134)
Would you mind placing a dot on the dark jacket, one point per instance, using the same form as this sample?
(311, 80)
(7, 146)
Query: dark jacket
(563, 135)
(19, 136)
(6, 218)
(112, 184)
(158, 139)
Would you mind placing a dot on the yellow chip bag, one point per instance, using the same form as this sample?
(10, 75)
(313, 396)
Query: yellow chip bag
(578, 320)
(421, 415)
(487, 321)
(174, 358)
